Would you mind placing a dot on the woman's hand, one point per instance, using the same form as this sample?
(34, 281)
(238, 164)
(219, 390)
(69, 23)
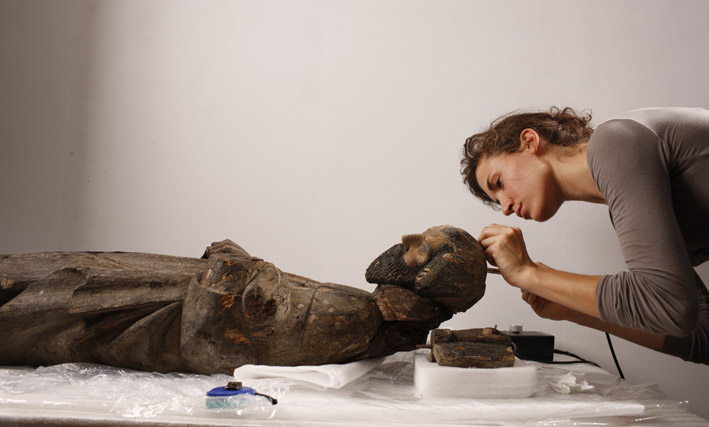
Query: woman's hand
(504, 247)
(547, 309)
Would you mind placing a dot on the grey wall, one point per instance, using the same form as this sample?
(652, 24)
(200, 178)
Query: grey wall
(316, 133)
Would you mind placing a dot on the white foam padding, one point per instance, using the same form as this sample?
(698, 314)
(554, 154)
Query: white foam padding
(433, 380)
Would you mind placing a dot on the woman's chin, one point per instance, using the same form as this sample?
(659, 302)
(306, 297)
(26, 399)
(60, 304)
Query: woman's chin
(544, 215)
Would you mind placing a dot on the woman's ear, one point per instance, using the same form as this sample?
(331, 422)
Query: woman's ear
(529, 140)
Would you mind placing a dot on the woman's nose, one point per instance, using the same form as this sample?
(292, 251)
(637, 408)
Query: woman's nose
(507, 207)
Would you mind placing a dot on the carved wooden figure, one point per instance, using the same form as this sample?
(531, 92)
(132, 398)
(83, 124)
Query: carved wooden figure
(211, 315)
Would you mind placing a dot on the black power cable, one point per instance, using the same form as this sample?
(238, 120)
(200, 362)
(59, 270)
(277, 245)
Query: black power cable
(579, 359)
(615, 359)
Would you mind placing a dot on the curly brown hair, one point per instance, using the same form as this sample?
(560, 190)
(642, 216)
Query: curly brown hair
(562, 127)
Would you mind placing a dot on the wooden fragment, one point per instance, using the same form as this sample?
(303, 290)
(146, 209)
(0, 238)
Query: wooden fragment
(472, 348)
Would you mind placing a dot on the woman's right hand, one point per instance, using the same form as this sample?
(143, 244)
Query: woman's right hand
(505, 248)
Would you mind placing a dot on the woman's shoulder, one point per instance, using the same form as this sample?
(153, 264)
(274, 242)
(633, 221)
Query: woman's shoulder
(618, 136)
(620, 148)
(668, 132)
(657, 116)
(662, 121)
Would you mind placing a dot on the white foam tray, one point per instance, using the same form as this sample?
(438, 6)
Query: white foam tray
(433, 380)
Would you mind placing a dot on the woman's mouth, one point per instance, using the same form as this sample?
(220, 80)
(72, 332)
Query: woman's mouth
(521, 213)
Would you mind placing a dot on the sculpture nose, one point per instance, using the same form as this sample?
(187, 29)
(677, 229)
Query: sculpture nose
(417, 249)
(412, 240)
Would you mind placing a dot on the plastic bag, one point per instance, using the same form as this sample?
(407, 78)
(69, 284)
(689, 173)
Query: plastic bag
(83, 387)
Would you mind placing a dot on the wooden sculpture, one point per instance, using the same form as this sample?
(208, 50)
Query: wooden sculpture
(210, 315)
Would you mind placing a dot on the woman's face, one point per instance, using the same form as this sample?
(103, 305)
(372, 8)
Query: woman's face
(522, 183)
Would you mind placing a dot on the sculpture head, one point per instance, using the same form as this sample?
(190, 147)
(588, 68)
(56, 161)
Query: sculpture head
(444, 264)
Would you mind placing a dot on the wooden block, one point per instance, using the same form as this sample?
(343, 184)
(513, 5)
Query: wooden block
(472, 348)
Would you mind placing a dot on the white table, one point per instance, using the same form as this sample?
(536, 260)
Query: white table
(80, 395)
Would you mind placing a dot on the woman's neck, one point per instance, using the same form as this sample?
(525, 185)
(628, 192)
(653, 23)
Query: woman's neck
(574, 176)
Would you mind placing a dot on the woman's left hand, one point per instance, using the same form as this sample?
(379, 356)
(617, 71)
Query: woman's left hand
(547, 309)
(504, 247)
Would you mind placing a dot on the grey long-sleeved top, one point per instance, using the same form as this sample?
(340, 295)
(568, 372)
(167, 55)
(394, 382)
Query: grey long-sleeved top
(652, 166)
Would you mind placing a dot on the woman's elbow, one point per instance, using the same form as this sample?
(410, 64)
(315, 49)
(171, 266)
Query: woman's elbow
(682, 323)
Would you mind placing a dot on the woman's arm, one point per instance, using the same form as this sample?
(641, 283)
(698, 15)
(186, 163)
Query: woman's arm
(504, 247)
(553, 294)
(632, 168)
(551, 310)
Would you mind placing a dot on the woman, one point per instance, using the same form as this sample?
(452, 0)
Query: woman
(651, 167)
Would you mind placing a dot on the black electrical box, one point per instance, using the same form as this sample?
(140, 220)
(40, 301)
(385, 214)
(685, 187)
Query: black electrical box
(533, 345)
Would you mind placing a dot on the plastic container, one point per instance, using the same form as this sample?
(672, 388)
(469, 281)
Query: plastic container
(244, 402)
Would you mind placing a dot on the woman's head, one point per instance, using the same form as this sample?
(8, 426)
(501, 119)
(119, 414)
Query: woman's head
(558, 127)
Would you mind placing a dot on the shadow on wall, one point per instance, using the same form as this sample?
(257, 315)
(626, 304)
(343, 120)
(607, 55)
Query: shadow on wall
(45, 80)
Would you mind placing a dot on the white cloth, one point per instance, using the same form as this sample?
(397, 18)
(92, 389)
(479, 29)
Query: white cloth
(320, 377)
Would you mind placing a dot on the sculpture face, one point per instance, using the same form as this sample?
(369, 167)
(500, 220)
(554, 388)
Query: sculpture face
(444, 264)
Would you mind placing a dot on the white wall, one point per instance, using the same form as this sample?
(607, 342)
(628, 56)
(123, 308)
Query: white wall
(316, 133)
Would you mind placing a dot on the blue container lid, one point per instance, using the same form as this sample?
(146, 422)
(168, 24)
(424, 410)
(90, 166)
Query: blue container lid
(223, 391)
